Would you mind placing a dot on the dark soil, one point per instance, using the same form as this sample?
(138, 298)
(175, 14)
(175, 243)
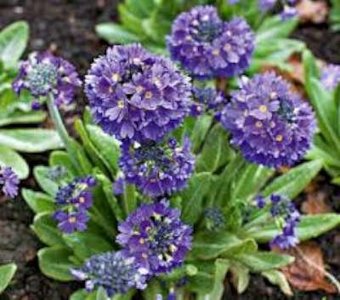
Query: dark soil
(67, 28)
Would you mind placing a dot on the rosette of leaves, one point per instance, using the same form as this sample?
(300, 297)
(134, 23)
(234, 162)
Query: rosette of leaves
(222, 179)
(6, 274)
(15, 112)
(326, 103)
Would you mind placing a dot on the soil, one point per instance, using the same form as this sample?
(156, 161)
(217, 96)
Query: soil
(67, 28)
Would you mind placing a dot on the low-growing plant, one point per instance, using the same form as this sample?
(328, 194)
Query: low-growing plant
(181, 173)
(16, 112)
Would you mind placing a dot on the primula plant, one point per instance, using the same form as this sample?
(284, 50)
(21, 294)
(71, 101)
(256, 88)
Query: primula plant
(16, 113)
(185, 169)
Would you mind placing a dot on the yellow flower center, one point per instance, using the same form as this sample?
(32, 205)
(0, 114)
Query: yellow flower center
(81, 200)
(216, 52)
(279, 138)
(115, 77)
(120, 104)
(72, 219)
(148, 95)
(263, 108)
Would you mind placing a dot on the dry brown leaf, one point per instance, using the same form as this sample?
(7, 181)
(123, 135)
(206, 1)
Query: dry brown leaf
(312, 11)
(307, 272)
(316, 203)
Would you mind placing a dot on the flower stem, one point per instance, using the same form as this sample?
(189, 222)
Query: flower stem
(58, 122)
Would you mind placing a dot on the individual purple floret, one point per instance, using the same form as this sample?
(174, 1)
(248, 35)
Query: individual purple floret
(265, 5)
(208, 99)
(136, 95)
(119, 186)
(112, 271)
(157, 169)
(69, 222)
(288, 12)
(43, 74)
(156, 237)
(270, 124)
(208, 47)
(73, 201)
(9, 182)
(283, 210)
(330, 76)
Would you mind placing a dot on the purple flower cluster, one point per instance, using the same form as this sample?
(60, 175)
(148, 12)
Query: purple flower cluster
(43, 74)
(9, 182)
(73, 201)
(330, 76)
(208, 47)
(157, 169)
(113, 272)
(284, 211)
(136, 95)
(270, 124)
(208, 100)
(156, 237)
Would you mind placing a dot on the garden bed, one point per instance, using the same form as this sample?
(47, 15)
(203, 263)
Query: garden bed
(67, 27)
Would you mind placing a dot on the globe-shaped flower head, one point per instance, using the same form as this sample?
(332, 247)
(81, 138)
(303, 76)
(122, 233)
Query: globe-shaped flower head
(270, 124)
(156, 237)
(208, 47)
(113, 272)
(136, 95)
(157, 169)
(43, 74)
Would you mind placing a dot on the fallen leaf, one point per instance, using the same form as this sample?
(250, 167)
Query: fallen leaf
(316, 203)
(307, 272)
(312, 11)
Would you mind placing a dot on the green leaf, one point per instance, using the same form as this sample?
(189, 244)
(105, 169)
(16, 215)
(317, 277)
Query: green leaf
(101, 294)
(79, 295)
(215, 152)
(193, 195)
(107, 145)
(274, 27)
(221, 270)
(326, 111)
(249, 181)
(130, 199)
(30, 140)
(200, 131)
(47, 185)
(6, 274)
(61, 158)
(10, 158)
(262, 261)
(54, 263)
(278, 278)
(45, 228)
(208, 245)
(294, 181)
(116, 34)
(13, 41)
(19, 117)
(241, 277)
(203, 282)
(85, 244)
(310, 226)
(38, 202)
